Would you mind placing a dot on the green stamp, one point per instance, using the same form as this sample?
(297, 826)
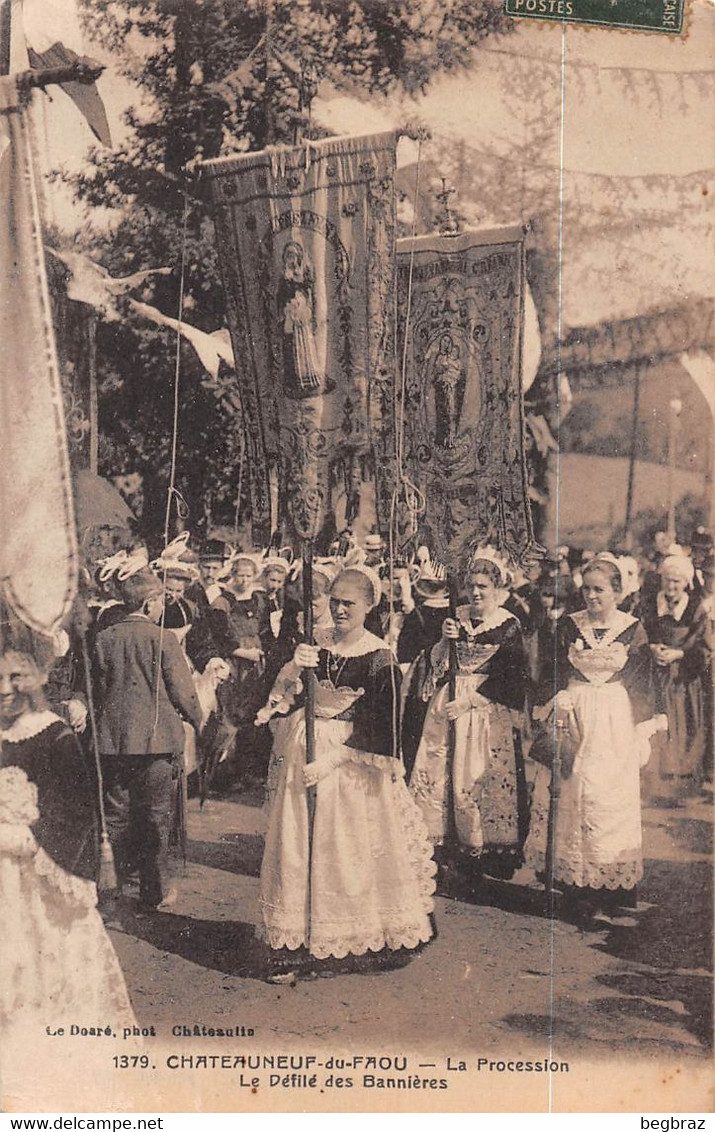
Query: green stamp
(637, 15)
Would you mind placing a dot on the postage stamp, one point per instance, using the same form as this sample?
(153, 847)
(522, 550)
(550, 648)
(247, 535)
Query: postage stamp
(637, 15)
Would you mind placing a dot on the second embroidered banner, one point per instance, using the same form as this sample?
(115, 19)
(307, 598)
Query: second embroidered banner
(461, 301)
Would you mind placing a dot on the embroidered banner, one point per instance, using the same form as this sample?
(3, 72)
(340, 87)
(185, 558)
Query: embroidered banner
(306, 244)
(462, 412)
(38, 547)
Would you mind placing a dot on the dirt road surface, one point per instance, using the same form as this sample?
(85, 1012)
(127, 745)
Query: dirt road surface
(498, 973)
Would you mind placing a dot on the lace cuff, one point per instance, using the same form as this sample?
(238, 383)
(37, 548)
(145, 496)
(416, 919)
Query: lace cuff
(18, 797)
(561, 702)
(284, 693)
(325, 764)
(76, 890)
(647, 728)
(439, 657)
(478, 701)
(516, 717)
(17, 841)
(542, 712)
(218, 668)
(645, 732)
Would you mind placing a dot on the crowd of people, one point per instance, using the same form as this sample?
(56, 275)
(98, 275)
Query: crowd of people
(407, 722)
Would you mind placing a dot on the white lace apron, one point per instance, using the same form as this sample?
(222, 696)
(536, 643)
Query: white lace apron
(365, 879)
(484, 768)
(598, 829)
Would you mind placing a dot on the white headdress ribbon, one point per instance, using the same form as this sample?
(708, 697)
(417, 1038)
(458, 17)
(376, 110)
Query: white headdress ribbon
(124, 564)
(170, 558)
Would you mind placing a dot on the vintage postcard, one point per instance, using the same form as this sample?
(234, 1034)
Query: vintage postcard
(356, 566)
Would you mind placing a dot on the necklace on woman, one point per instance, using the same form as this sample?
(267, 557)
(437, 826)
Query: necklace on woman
(335, 673)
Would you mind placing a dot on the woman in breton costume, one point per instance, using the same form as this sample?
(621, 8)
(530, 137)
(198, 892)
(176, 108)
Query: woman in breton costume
(57, 964)
(602, 693)
(240, 625)
(291, 631)
(292, 634)
(485, 811)
(355, 875)
(680, 635)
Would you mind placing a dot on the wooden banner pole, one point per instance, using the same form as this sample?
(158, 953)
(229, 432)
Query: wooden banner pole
(554, 792)
(451, 838)
(308, 676)
(93, 398)
(5, 35)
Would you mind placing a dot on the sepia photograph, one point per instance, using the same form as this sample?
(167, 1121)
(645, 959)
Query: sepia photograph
(357, 612)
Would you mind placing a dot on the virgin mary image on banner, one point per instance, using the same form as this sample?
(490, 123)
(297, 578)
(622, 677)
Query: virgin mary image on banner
(303, 371)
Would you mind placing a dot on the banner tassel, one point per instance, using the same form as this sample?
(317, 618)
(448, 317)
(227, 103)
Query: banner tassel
(107, 879)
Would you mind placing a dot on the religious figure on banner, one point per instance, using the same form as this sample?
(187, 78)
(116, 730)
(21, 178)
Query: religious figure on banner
(303, 374)
(450, 378)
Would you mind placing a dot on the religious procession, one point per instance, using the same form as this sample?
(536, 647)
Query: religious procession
(300, 625)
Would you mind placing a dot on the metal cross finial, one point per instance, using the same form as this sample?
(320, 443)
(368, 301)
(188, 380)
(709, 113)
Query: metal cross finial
(446, 220)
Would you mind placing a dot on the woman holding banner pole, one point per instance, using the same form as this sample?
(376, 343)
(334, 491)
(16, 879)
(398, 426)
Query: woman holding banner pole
(600, 699)
(468, 778)
(356, 876)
